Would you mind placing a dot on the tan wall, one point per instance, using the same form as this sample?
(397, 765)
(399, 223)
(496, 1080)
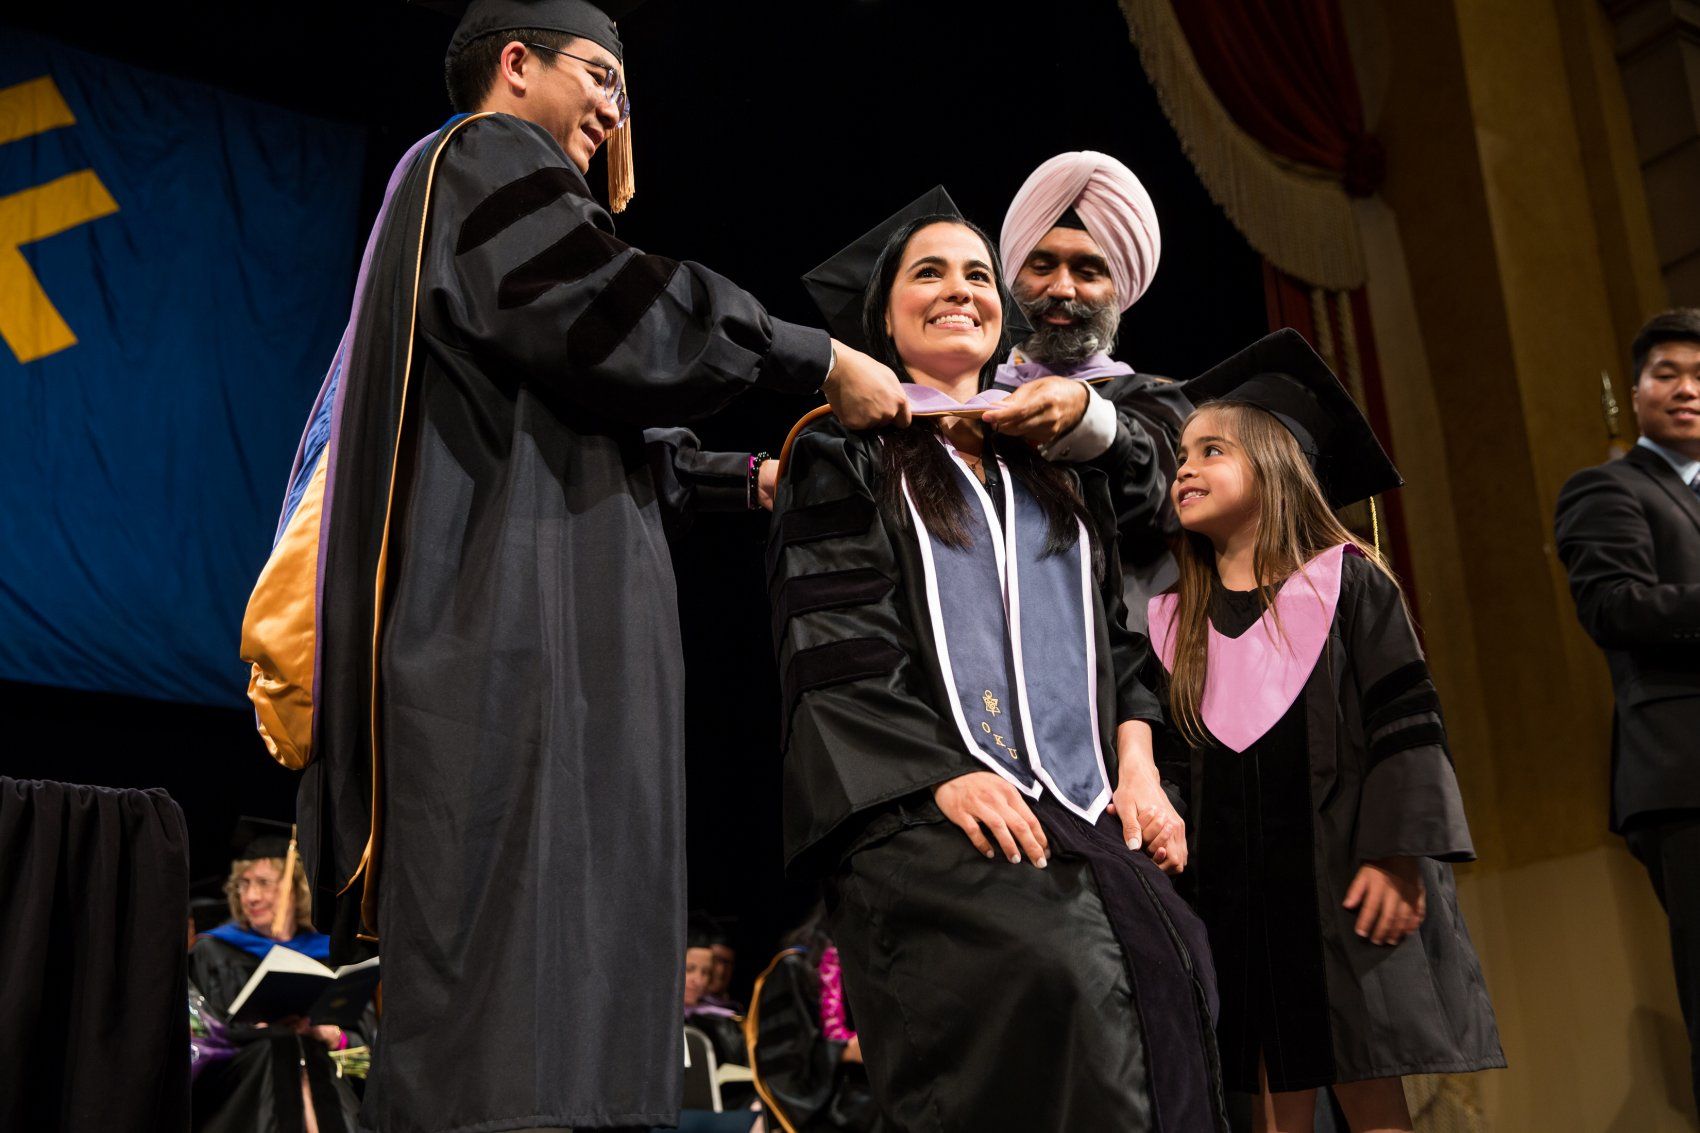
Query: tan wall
(1574, 952)
(1510, 258)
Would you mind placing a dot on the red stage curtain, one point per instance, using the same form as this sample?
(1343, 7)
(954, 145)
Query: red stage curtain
(1282, 71)
(1337, 324)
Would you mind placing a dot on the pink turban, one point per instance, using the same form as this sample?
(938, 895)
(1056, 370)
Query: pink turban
(1109, 199)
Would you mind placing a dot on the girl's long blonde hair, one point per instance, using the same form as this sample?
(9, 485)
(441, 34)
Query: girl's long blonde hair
(1294, 525)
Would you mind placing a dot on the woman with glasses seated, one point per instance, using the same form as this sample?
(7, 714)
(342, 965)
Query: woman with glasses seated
(968, 747)
(276, 1074)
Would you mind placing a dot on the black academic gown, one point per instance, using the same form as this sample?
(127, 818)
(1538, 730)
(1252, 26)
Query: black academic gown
(1357, 769)
(515, 832)
(258, 1089)
(986, 995)
(803, 1076)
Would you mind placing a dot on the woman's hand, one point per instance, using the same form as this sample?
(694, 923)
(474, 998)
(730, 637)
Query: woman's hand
(1390, 899)
(853, 1049)
(981, 799)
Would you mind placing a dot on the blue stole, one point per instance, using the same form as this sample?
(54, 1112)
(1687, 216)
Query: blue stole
(314, 945)
(1014, 630)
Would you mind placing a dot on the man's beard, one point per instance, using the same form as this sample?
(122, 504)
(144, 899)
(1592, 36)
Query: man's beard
(1092, 332)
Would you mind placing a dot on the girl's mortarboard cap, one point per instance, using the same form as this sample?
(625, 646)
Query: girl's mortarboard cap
(1281, 374)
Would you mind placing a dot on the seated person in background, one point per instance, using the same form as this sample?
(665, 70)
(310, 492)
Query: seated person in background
(282, 1076)
(720, 977)
(807, 1058)
(723, 1026)
(725, 1031)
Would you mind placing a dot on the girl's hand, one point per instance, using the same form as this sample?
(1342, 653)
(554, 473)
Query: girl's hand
(853, 1049)
(981, 799)
(1390, 897)
(1150, 822)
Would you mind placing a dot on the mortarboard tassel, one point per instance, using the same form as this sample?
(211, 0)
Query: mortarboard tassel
(283, 917)
(621, 186)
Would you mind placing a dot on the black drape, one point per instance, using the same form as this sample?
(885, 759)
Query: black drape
(94, 906)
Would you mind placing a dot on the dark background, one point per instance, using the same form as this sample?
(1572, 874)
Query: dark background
(767, 135)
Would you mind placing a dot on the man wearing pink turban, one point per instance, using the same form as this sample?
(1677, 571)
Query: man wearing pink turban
(1080, 244)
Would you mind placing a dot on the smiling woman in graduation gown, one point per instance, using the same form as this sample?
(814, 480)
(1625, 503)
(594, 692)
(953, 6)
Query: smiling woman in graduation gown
(987, 995)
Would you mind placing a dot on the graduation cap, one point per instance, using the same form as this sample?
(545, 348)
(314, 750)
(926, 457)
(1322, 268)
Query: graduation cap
(839, 286)
(259, 838)
(1281, 374)
(580, 18)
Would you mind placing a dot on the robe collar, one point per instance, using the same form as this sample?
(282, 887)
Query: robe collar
(314, 945)
(1253, 679)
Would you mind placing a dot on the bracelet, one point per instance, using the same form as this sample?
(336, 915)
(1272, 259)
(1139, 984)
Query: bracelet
(752, 481)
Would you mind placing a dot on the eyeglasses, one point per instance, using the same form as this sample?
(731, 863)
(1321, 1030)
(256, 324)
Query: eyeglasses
(610, 84)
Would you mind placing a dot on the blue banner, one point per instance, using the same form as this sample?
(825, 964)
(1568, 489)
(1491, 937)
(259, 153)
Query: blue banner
(175, 269)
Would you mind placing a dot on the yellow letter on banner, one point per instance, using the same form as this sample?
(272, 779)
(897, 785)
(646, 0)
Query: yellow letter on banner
(28, 321)
(32, 108)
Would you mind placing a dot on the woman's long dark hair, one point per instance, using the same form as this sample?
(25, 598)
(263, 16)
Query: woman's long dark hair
(811, 935)
(914, 454)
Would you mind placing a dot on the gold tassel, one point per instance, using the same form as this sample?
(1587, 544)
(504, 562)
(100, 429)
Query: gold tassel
(1375, 525)
(283, 917)
(621, 185)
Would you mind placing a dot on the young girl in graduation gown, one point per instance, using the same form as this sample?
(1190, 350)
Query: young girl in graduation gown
(967, 747)
(1324, 807)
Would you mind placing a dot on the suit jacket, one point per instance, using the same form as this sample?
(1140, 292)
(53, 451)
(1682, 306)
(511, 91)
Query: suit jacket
(1629, 534)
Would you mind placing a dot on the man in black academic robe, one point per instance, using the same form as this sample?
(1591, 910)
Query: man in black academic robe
(1081, 244)
(495, 781)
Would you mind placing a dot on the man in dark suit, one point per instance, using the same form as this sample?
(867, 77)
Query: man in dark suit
(1629, 534)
